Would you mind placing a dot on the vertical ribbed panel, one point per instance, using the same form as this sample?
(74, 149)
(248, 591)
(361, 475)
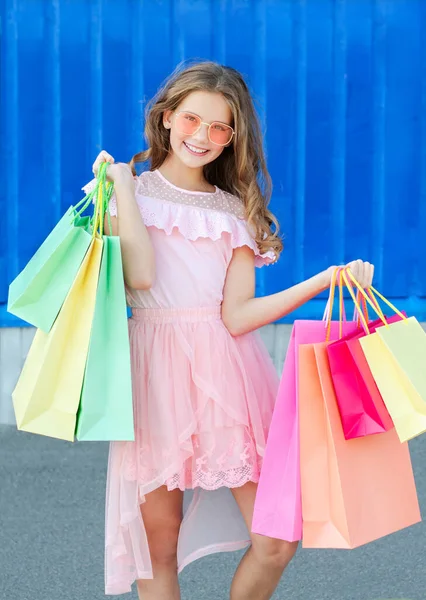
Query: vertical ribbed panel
(379, 122)
(217, 30)
(341, 89)
(52, 82)
(300, 137)
(258, 81)
(421, 229)
(177, 29)
(96, 97)
(137, 73)
(12, 152)
(338, 151)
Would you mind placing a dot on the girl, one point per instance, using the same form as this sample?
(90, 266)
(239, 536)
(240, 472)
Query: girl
(192, 229)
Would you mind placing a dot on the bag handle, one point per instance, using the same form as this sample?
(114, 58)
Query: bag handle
(362, 304)
(98, 215)
(364, 307)
(326, 314)
(342, 310)
(88, 198)
(109, 190)
(338, 277)
(341, 303)
(104, 193)
(372, 300)
(345, 274)
(369, 297)
(329, 314)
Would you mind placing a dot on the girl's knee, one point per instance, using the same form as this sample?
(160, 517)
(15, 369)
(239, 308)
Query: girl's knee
(162, 517)
(163, 542)
(273, 552)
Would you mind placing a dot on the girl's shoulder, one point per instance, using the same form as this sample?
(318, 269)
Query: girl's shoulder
(152, 184)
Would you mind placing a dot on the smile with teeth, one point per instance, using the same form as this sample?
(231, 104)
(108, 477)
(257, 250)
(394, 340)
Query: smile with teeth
(195, 150)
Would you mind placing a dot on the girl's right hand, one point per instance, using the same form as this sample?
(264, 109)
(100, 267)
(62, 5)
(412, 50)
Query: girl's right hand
(116, 172)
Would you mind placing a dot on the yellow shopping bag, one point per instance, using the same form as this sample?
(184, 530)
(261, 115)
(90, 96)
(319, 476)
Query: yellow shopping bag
(396, 355)
(47, 395)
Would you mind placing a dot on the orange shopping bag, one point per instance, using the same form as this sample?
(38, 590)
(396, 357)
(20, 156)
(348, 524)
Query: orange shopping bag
(353, 491)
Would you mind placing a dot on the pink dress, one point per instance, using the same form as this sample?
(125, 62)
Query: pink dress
(203, 400)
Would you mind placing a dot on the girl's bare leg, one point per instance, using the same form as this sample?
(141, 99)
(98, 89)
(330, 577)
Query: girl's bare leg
(162, 516)
(262, 566)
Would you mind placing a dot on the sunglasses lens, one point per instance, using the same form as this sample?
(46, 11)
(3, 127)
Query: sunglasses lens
(220, 134)
(187, 123)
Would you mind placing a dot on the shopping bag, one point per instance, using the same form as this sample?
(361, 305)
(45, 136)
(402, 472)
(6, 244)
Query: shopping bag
(277, 510)
(361, 406)
(353, 491)
(106, 409)
(396, 356)
(47, 395)
(38, 292)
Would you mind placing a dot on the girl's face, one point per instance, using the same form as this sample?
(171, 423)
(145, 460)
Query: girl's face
(196, 150)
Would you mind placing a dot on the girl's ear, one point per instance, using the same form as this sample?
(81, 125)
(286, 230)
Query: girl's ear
(167, 119)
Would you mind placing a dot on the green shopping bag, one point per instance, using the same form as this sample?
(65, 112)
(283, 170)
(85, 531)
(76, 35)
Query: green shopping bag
(106, 409)
(39, 291)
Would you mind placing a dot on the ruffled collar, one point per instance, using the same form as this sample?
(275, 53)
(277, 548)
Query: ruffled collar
(195, 222)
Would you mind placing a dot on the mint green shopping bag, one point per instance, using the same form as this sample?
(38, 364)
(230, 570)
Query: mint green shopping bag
(106, 410)
(39, 291)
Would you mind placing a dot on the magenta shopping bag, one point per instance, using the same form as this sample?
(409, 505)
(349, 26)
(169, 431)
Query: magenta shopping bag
(278, 505)
(361, 407)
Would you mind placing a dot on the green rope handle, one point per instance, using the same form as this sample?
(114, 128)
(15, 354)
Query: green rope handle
(85, 202)
(102, 192)
(105, 191)
(99, 211)
(108, 196)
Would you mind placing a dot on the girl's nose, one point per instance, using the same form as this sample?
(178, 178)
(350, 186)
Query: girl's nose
(202, 134)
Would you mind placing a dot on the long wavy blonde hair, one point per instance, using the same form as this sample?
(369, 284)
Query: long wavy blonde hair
(241, 168)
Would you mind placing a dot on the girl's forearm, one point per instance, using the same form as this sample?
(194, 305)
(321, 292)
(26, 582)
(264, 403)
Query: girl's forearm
(136, 247)
(257, 312)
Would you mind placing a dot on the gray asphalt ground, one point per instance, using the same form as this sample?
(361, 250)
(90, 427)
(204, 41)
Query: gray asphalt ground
(52, 526)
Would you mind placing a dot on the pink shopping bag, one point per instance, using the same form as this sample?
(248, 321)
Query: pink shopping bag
(278, 505)
(362, 410)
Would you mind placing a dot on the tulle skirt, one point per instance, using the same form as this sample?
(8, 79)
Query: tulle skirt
(203, 402)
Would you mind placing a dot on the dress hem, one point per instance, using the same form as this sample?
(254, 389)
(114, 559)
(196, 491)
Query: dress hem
(214, 549)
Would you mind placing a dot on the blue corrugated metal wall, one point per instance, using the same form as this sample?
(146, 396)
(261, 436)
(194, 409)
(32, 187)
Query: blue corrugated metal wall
(341, 86)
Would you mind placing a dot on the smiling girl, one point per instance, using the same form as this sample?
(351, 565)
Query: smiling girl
(192, 229)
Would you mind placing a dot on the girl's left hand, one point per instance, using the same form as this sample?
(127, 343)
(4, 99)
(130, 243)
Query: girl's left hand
(361, 270)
